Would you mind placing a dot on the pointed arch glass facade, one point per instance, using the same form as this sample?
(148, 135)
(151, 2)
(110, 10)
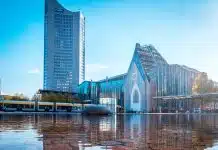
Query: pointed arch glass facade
(149, 75)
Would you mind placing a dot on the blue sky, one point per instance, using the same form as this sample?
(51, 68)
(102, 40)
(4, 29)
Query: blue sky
(183, 31)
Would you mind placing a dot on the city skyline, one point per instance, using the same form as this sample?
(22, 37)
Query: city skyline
(191, 34)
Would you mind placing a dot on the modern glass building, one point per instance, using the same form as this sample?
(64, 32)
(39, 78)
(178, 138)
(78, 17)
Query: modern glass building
(181, 79)
(64, 48)
(149, 75)
(104, 91)
(146, 77)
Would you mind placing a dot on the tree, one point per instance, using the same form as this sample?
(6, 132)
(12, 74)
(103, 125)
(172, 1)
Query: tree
(61, 97)
(8, 97)
(56, 97)
(203, 85)
(16, 96)
(36, 97)
(210, 86)
(49, 97)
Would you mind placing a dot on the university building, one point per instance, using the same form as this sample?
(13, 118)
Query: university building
(149, 75)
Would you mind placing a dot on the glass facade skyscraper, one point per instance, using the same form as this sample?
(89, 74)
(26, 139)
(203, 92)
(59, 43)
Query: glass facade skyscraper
(64, 48)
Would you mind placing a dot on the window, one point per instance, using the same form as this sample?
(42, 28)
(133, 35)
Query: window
(136, 97)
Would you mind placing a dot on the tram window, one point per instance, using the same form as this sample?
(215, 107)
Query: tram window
(11, 105)
(64, 107)
(28, 106)
(60, 107)
(75, 107)
(44, 106)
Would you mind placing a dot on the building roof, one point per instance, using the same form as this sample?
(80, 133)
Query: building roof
(180, 97)
(117, 77)
(113, 78)
(58, 7)
(147, 58)
(185, 67)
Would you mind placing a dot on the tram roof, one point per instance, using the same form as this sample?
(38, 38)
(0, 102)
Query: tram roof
(33, 102)
(16, 102)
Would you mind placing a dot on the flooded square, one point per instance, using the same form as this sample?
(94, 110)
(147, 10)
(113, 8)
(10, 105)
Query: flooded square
(116, 132)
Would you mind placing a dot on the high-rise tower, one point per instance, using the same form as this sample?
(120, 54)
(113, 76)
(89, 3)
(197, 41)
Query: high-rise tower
(64, 48)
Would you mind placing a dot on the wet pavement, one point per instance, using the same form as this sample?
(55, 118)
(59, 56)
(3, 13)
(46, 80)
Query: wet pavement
(116, 132)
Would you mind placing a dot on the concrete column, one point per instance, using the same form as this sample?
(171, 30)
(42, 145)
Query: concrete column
(202, 103)
(186, 105)
(175, 101)
(55, 107)
(190, 104)
(36, 105)
(169, 106)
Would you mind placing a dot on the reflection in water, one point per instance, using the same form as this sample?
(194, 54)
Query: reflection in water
(39, 131)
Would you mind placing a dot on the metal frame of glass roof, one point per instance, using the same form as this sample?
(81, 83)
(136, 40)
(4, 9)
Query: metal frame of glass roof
(181, 97)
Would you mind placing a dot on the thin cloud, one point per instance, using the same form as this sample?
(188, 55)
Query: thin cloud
(95, 67)
(96, 71)
(34, 71)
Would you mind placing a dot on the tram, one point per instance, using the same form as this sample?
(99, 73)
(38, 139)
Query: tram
(64, 107)
(11, 105)
(45, 107)
(32, 106)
